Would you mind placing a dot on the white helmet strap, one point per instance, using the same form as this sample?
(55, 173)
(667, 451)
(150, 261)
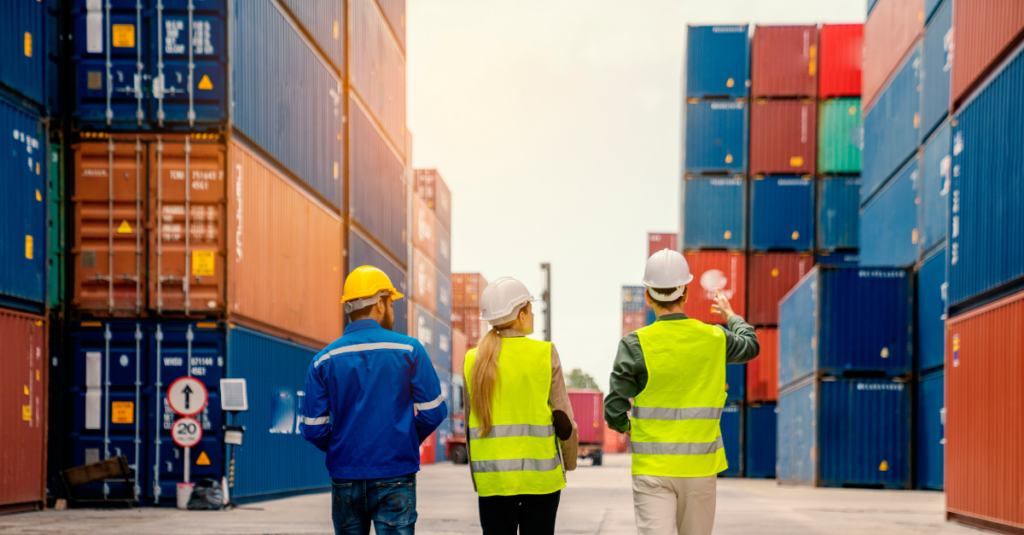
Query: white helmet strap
(667, 298)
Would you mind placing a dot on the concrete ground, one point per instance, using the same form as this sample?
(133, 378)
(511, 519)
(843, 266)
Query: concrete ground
(598, 500)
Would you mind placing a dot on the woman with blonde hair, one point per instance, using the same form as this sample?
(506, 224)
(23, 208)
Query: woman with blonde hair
(522, 437)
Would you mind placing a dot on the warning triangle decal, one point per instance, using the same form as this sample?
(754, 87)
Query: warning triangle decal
(203, 460)
(884, 467)
(205, 83)
(124, 227)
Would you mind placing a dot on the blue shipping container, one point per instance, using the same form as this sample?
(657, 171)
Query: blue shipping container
(23, 48)
(931, 312)
(716, 137)
(443, 303)
(986, 216)
(443, 249)
(362, 252)
(443, 433)
(717, 61)
(936, 66)
(846, 321)
(444, 378)
(888, 223)
(931, 431)
(714, 213)
(871, 5)
(929, 9)
(735, 383)
(324, 21)
(633, 299)
(23, 205)
(442, 356)
(761, 441)
(838, 214)
(425, 330)
(845, 433)
(731, 426)
(649, 316)
(782, 214)
(891, 127)
(933, 190)
(847, 260)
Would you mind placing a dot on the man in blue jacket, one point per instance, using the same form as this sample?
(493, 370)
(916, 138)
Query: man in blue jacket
(372, 396)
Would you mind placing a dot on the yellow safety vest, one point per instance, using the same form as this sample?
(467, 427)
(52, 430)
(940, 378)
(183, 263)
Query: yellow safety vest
(675, 420)
(520, 455)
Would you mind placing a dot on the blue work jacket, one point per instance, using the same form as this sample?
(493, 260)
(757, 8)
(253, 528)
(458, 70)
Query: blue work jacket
(360, 394)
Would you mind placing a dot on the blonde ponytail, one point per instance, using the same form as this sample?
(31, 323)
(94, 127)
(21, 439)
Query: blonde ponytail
(485, 377)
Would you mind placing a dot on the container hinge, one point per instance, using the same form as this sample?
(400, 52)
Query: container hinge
(191, 74)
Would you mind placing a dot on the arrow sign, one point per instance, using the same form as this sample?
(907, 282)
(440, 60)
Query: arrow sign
(187, 396)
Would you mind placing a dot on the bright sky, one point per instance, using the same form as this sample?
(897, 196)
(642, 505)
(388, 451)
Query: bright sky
(556, 124)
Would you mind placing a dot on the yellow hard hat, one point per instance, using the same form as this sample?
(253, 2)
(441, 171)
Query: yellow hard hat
(366, 283)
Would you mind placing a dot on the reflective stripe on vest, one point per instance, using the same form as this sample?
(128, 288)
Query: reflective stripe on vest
(675, 419)
(519, 455)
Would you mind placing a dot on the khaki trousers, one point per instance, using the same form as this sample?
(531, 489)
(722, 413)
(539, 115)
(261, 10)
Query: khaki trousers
(671, 505)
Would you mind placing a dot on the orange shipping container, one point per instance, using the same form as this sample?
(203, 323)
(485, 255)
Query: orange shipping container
(424, 280)
(459, 349)
(614, 441)
(423, 226)
(763, 372)
(23, 395)
(891, 29)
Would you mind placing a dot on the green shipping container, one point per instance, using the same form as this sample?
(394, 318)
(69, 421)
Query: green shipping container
(839, 135)
(55, 223)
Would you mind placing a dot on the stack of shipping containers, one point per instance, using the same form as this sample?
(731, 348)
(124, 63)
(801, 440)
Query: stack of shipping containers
(467, 329)
(430, 321)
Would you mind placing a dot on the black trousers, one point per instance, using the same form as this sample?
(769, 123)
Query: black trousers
(526, 514)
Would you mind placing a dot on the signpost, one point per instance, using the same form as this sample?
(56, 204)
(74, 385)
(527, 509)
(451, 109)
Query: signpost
(187, 396)
(187, 432)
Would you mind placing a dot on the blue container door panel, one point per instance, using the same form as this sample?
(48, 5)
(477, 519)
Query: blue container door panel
(119, 94)
(891, 127)
(23, 48)
(888, 223)
(847, 260)
(443, 303)
(761, 441)
(443, 433)
(714, 213)
(206, 352)
(86, 449)
(931, 434)
(931, 312)
(442, 356)
(23, 208)
(796, 437)
(362, 253)
(735, 383)
(937, 63)
(933, 189)
(206, 68)
(798, 330)
(717, 61)
(782, 214)
(838, 213)
(731, 425)
(716, 137)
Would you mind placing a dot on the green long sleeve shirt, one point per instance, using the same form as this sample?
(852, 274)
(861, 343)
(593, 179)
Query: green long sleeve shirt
(629, 373)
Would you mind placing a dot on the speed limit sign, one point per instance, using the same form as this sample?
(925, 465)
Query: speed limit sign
(186, 432)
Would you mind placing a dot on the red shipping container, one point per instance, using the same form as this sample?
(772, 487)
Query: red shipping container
(840, 60)
(614, 441)
(435, 193)
(892, 28)
(714, 270)
(783, 137)
(423, 227)
(763, 372)
(466, 289)
(985, 33)
(588, 411)
(469, 323)
(657, 241)
(784, 61)
(632, 321)
(428, 449)
(23, 396)
(772, 276)
(424, 281)
(985, 416)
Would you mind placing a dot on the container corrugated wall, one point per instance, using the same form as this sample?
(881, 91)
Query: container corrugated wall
(442, 356)
(931, 312)
(424, 228)
(657, 241)
(273, 458)
(838, 213)
(424, 280)
(888, 223)
(784, 61)
(796, 439)
(424, 329)
(281, 85)
(588, 411)
(431, 188)
(376, 69)
(782, 213)
(930, 436)
(984, 31)
(986, 220)
(771, 277)
(929, 9)
(23, 205)
(731, 426)
(763, 372)
(760, 441)
(841, 53)
(891, 126)
(361, 252)
(891, 29)
(936, 64)
(783, 137)
(717, 61)
(324, 21)
(716, 137)
(394, 12)
(443, 251)
(735, 383)
(23, 47)
(726, 199)
(725, 270)
(284, 251)
(985, 415)
(840, 134)
(56, 220)
(840, 259)
(933, 189)
(23, 411)
(633, 299)
(443, 287)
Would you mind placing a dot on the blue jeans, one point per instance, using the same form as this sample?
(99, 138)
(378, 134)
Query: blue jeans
(389, 502)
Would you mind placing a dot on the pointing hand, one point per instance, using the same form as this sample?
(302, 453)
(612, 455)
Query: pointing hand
(721, 306)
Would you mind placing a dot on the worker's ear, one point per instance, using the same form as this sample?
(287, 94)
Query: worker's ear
(686, 293)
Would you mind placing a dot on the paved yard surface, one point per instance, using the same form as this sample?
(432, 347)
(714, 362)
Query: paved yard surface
(597, 501)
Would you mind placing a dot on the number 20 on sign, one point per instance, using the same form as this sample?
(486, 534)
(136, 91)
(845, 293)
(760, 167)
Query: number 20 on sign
(187, 432)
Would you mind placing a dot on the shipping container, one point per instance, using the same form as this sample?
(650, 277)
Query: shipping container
(890, 31)
(770, 277)
(632, 321)
(466, 289)
(377, 185)
(846, 259)
(735, 383)
(324, 21)
(838, 213)
(936, 64)
(443, 289)
(929, 9)
(615, 442)
(443, 354)
(984, 371)
(657, 241)
(841, 55)
(394, 13)
(424, 281)
(443, 251)
(23, 392)
(376, 70)
(56, 213)
(588, 412)
(763, 372)
(23, 46)
(759, 454)
(714, 213)
(428, 449)
(931, 312)
(717, 61)
(424, 226)
(459, 349)
(443, 433)
(716, 137)
(871, 5)
(986, 31)
(731, 427)
(23, 156)
(933, 190)
(930, 447)
(784, 61)
(468, 321)
(633, 299)
(891, 126)
(888, 222)
(444, 378)
(783, 136)
(840, 136)
(432, 189)
(782, 213)
(986, 220)
(424, 325)
(649, 317)
(845, 433)
(362, 252)
(716, 270)
(846, 322)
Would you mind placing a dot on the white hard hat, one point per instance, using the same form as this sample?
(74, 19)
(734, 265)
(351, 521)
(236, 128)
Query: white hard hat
(501, 300)
(667, 269)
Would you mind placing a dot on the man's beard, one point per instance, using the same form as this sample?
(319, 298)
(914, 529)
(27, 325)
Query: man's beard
(388, 321)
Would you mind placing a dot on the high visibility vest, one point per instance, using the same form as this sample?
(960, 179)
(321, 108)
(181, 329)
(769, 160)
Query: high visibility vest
(675, 419)
(519, 455)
